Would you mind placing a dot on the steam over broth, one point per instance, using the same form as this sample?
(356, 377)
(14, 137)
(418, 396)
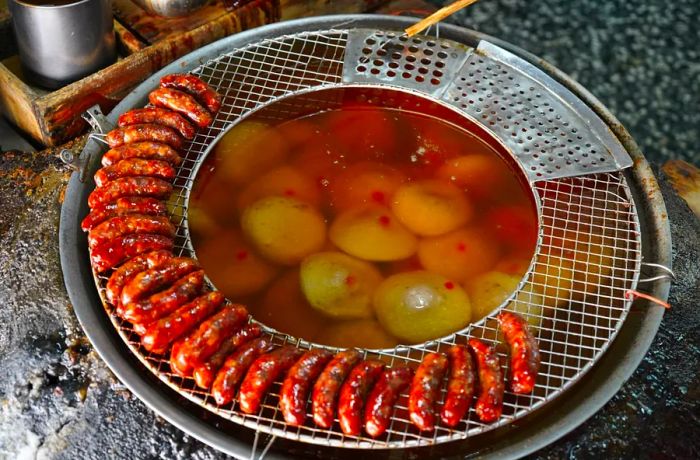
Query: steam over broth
(361, 226)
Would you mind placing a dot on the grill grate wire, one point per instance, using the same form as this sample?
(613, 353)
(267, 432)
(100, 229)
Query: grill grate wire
(588, 256)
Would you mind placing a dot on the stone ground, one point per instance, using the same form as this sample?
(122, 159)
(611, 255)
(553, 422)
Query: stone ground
(59, 401)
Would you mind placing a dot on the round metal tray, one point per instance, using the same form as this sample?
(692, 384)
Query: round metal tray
(78, 276)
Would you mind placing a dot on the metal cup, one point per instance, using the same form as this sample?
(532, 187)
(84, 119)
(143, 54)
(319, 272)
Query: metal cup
(63, 42)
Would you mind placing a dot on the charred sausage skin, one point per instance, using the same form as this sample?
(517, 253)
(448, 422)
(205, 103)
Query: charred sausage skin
(144, 132)
(149, 281)
(182, 103)
(158, 115)
(381, 400)
(524, 352)
(489, 405)
(130, 224)
(129, 186)
(296, 386)
(234, 369)
(146, 150)
(262, 374)
(425, 389)
(117, 251)
(460, 385)
(354, 392)
(327, 386)
(194, 86)
(134, 167)
(127, 271)
(123, 206)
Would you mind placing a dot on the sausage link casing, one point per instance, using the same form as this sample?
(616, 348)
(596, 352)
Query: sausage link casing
(353, 393)
(165, 302)
(131, 268)
(181, 103)
(296, 386)
(263, 373)
(460, 385)
(146, 150)
(489, 405)
(160, 334)
(235, 367)
(524, 352)
(425, 389)
(129, 186)
(134, 167)
(119, 250)
(159, 116)
(327, 386)
(144, 132)
(130, 224)
(204, 374)
(123, 206)
(194, 86)
(203, 342)
(381, 400)
(150, 281)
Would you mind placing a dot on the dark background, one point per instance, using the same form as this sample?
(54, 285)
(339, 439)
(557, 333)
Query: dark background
(641, 59)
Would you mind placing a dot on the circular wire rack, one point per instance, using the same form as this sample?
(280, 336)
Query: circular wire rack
(588, 256)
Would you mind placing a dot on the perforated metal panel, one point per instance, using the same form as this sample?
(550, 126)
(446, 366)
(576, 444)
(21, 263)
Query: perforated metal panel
(587, 258)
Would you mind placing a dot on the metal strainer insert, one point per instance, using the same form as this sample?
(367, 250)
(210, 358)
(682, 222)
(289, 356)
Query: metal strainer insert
(588, 254)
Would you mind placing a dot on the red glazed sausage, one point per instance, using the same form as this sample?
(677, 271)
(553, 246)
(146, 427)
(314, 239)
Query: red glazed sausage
(181, 103)
(160, 334)
(129, 186)
(134, 167)
(460, 385)
(204, 374)
(165, 302)
(296, 386)
(159, 116)
(234, 369)
(489, 405)
(146, 150)
(145, 132)
(133, 267)
(194, 86)
(123, 248)
(382, 398)
(326, 388)
(197, 347)
(262, 374)
(149, 281)
(127, 225)
(524, 352)
(425, 390)
(353, 393)
(121, 207)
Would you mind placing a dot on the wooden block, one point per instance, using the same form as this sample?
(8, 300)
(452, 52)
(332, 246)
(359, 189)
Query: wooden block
(685, 179)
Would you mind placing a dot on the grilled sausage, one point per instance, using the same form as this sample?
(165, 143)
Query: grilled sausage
(262, 374)
(425, 389)
(134, 167)
(130, 224)
(234, 369)
(121, 207)
(146, 150)
(118, 250)
(197, 347)
(149, 281)
(144, 132)
(181, 103)
(381, 400)
(326, 388)
(160, 334)
(353, 393)
(489, 405)
(204, 374)
(133, 267)
(159, 116)
(297, 385)
(165, 302)
(129, 186)
(524, 352)
(194, 86)
(460, 385)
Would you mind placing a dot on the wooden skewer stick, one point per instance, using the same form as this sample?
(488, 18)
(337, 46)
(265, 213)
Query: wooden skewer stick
(437, 16)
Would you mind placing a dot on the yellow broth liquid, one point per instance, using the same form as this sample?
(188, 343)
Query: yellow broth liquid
(455, 214)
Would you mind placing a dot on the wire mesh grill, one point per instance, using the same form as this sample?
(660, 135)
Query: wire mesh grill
(588, 256)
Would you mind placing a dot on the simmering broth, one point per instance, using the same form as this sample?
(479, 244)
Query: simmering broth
(361, 225)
